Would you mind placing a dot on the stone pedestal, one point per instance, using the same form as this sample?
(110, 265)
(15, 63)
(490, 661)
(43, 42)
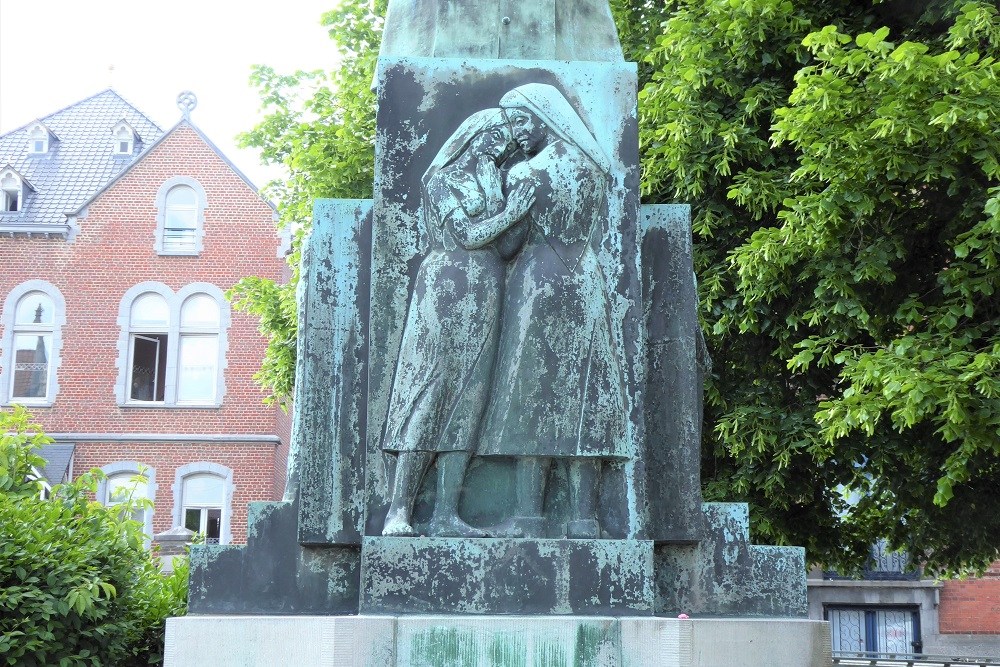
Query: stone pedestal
(491, 641)
(506, 576)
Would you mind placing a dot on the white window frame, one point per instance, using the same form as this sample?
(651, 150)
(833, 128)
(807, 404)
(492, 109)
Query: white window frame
(7, 341)
(131, 468)
(6, 174)
(162, 246)
(228, 488)
(173, 332)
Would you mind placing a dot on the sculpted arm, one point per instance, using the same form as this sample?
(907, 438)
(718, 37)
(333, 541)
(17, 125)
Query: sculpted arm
(473, 233)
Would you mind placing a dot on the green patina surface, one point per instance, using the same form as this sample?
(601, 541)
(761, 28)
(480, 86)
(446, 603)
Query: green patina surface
(509, 651)
(444, 646)
(593, 645)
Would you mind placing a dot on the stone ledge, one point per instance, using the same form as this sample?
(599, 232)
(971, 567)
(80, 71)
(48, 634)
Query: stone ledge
(491, 641)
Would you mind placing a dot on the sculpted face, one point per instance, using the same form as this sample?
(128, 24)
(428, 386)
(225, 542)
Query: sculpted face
(496, 142)
(529, 130)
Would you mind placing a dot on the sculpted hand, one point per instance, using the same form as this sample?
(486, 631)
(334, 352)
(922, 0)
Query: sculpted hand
(519, 201)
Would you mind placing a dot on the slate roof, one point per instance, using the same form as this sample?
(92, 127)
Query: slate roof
(77, 165)
(57, 459)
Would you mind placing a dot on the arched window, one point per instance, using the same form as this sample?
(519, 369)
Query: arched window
(203, 497)
(181, 217)
(33, 317)
(181, 224)
(203, 494)
(174, 345)
(11, 192)
(121, 481)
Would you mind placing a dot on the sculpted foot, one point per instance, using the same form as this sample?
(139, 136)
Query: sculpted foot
(453, 527)
(397, 526)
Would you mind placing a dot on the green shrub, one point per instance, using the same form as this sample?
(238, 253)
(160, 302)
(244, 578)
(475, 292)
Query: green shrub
(77, 585)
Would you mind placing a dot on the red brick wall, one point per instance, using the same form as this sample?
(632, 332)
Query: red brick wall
(971, 606)
(252, 466)
(114, 251)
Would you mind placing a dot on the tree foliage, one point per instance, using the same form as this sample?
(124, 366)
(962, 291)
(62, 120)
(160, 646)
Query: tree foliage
(321, 126)
(841, 162)
(843, 172)
(77, 585)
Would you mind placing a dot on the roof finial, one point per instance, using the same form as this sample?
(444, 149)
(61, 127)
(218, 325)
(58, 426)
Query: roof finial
(186, 102)
(111, 75)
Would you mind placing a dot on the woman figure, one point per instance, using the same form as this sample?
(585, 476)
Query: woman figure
(449, 344)
(558, 389)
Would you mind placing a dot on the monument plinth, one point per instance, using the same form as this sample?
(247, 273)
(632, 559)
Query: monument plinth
(497, 418)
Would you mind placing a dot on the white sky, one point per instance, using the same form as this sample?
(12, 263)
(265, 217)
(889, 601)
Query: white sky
(56, 52)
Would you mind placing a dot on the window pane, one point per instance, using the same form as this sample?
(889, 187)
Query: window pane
(149, 311)
(847, 627)
(894, 629)
(121, 484)
(201, 311)
(197, 376)
(213, 527)
(203, 490)
(11, 201)
(192, 520)
(181, 220)
(31, 365)
(181, 195)
(180, 229)
(34, 308)
(149, 367)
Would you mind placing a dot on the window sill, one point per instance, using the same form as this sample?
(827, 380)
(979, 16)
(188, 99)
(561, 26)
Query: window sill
(171, 406)
(28, 403)
(178, 253)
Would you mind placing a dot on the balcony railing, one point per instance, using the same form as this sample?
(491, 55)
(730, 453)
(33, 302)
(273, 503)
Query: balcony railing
(854, 659)
(884, 565)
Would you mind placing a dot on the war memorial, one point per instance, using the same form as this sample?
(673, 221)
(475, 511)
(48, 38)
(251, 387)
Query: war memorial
(495, 455)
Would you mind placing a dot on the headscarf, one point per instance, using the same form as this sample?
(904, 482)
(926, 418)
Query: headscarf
(557, 113)
(460, 138)
(453, 147)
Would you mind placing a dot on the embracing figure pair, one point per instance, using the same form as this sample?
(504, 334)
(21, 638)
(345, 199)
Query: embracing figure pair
(508, 347)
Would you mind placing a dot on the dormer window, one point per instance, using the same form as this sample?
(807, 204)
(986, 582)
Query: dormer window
(39, 138)
(124, 138)
(11, 192)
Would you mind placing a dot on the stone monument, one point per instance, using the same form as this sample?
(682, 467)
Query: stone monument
(497, 417)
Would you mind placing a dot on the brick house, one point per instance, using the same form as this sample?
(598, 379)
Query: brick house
(117, 243)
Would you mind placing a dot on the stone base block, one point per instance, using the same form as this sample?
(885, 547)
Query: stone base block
(506, 576)
(273, 574)
(491, 641)
(725, 575)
